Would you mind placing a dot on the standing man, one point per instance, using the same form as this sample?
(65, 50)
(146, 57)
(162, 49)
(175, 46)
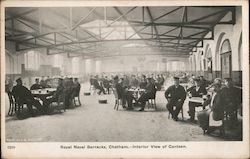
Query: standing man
(106, 83)
(124, 95)
(176, 96)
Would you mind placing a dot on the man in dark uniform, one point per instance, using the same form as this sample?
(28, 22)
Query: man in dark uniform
(36, 85)
(76, 88)
(23, 96)
(124, 95)
(232, 99)
(176, 96)
(195, 91)
(58, 95)
(150, 90)
(68, 87)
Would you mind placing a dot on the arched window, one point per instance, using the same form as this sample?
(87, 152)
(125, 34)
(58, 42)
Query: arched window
(226, 59)
(217, 53)
(208, 61)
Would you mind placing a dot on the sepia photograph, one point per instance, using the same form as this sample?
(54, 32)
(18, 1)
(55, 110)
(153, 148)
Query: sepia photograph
(124, 74)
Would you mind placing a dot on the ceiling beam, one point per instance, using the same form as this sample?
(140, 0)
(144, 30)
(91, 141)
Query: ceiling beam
(21, 14)
(27, 25)
(152, 20)
(167, 13)
(83, 18)
(121, 16)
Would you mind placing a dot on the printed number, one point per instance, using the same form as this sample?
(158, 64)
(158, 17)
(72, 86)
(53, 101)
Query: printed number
(11, 147)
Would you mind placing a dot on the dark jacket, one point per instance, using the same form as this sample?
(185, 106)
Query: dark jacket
(119, 90)
(195, 93)
(22, 93)
(232, 97)
(175, 93)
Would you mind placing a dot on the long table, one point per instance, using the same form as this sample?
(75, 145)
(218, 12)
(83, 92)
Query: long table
(196, 100)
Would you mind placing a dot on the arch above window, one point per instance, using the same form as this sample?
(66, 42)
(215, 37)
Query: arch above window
(225, 47)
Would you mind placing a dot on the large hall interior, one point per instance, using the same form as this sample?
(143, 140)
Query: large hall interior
(123, 74)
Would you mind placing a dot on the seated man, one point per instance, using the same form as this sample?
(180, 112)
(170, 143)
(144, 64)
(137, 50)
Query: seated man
(176, 96)
(211, 118)
(58, 94)
(36, 85)
(23, 96)
(195, 91)
(150, 90)
(233, 99)
(44, 84)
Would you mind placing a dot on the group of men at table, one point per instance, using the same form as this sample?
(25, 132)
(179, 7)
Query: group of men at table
(105, 83)
(66, 90)
(224, 97)
(127, 96)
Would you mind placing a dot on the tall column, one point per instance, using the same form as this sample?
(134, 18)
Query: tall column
(98, 66)
(90, 66)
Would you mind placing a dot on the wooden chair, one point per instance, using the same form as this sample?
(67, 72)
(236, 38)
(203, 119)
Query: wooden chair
(182, 115)
(12, 105)
(117, 100)
(60, 103)
(18, 105)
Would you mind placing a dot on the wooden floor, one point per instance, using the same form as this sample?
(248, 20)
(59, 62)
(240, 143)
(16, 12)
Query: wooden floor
(94, 122)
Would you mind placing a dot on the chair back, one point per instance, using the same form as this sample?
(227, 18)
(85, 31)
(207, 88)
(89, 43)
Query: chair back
(11, 98)
(77, 91)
